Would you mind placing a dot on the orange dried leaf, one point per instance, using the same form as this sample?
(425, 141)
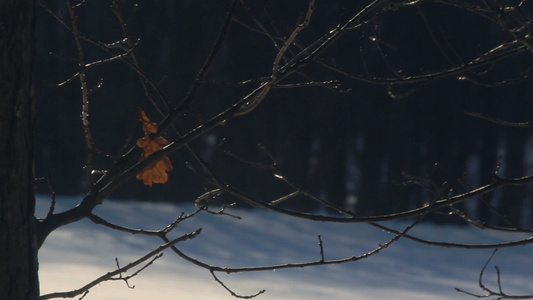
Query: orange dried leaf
(148, 126)
(151, 145)
(155, 172)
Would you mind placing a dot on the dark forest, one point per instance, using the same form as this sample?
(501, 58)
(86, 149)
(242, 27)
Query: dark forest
(379, 135)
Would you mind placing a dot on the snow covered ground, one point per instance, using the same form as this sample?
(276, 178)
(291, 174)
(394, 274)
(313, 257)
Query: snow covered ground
(76, 254)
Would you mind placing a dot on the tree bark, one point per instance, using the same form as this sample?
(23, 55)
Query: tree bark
(18, 243)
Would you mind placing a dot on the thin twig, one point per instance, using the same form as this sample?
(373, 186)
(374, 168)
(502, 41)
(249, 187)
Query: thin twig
(321, 245)
(232, 292)
(101, 221)
(110, 275)
(498, 121)
(319, 262)
(488, 291)
(290, 40)
(117, 10)
(84, 94)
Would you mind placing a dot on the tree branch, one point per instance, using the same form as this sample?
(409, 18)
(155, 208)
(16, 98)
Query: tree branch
(498, 121)
(109, 275)
(489, 292)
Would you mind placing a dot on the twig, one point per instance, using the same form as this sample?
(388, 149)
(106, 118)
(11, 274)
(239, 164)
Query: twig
(232, 292)
(125, 279)
(212, 268)
(206, 67)
(489, 57)
(262, 28)
(117, 10)
(498, 121)
(109, 275)
(320, 244)
(84, 294)
(290, 40)
(296, 265)
(84, 93)
(521, 242)
(52, 191)
(100, 221)
(489, 292)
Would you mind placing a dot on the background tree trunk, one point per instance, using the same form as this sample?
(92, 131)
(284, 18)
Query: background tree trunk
(18, 246)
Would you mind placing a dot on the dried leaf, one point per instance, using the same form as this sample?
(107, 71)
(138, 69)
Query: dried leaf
(155, 172)
(150, 145)
(148, 126)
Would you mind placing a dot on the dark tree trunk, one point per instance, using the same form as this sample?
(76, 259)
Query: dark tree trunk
(18, 244)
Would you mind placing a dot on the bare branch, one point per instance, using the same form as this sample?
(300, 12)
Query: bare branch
(515, 243)
(498, 53)
(290, 40)
(84, 93)
(110, 275)
(232, 292)
(489, 292)
(116, 7)
(125, 279)
(498, 121)
(319, 262)
(500, 182)
(100, 221)
(320, 244)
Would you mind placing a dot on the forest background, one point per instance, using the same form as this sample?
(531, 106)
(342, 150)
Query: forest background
(355, 149)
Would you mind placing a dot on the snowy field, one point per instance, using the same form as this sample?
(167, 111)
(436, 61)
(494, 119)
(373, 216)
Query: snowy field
(76, 254)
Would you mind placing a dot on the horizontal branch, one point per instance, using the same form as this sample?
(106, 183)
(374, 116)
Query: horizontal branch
(521, 242)
(98, 220)
(498, 121)
(498, 183)
(319, 262)
(491, 56)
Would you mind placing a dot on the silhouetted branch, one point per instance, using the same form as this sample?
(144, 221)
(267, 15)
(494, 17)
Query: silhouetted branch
(321, 245)
(489, 292)
(84, 94)
(212, 268)
(498, 53)
(290, 40)
(116, 8)
(232, 292)
(515, 243)
(125, 279)
(100, 221)
(110, 275)
(498, 121)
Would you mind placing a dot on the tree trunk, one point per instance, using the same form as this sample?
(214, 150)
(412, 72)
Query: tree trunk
(18, 244)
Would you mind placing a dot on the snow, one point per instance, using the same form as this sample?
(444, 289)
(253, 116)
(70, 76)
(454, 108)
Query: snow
(74, 255)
